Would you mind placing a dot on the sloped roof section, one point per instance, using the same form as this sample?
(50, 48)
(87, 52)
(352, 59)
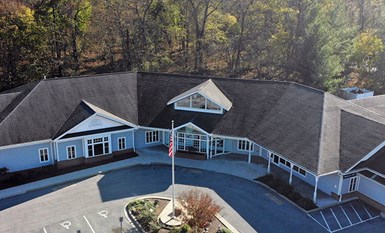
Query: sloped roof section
(375, 103)
(46, 107)
(209, 90)
(81, 112)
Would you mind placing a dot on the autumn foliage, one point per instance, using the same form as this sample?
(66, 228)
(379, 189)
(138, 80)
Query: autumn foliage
(200, 208)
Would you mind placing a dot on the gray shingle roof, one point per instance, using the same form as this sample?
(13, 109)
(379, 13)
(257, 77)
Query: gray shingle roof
(315, 129)
(45, 109)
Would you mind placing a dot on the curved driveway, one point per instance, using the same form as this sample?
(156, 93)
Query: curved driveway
(249, 207)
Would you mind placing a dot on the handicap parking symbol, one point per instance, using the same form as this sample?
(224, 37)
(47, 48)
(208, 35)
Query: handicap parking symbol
(103, 213)
(66, 224)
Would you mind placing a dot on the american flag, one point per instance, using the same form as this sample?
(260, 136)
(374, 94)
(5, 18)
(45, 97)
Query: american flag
(170, 149)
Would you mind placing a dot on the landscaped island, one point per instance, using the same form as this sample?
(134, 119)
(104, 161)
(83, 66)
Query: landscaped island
(195, 212)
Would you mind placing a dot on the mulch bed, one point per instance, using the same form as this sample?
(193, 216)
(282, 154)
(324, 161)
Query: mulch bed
(287, 190)
(27, 176)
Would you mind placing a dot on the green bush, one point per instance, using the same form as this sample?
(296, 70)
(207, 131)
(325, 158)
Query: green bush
(224, 230)
(144, 212)
(182, 229)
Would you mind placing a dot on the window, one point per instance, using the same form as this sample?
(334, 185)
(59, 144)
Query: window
(244, 145)
(197, 102)
(152, 136)
(121, 143)
(98, 146)
(299, 170)
(43, 154)
(71, 152)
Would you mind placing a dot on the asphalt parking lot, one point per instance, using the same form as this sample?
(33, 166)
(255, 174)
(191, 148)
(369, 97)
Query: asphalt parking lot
(104, 220)
(345, 216)
(95, 204)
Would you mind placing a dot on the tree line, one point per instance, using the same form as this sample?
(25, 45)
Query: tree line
(327, 44)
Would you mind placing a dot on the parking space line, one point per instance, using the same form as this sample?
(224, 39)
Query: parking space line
(45, 231)
(92, 229)
(335, 217)
(356, 212)
(370, 216)
(317, 222)
(325, 220)
(346, 215)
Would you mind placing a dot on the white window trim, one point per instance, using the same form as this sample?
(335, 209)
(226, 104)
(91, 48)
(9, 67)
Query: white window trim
(247, 145)
(92, 138)
(74, 146)
(283, 165)
(220, 111)
(41, 149)
(152, 136)
(125, 146)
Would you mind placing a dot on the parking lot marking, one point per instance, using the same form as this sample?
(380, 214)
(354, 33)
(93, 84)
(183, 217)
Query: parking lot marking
(356, 212)
(317, 222)
(346, 216)
(45, 231)
(92, 229)
(335, 217)
(325, 221)
(103, 213)
(66, 224)
(370, 216)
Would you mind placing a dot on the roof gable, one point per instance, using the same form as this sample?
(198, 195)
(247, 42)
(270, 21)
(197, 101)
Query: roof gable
(208, 90)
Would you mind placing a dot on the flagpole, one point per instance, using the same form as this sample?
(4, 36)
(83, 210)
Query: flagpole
(173, 171)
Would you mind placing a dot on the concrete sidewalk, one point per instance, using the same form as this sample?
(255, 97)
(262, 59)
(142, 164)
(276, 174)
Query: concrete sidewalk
(153, 155)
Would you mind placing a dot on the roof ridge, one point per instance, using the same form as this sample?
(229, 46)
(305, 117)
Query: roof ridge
(33, 89)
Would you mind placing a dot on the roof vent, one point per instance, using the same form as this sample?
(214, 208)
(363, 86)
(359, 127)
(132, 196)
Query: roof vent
(351, 93)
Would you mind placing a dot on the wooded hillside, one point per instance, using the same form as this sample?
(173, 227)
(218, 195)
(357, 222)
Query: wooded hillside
(322, 43)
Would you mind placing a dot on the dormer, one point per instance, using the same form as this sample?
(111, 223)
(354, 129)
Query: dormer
(205, 97)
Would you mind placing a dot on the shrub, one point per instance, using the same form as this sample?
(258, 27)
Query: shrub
(224, 230)
(144, 212)
(182, 229)
(200, 208)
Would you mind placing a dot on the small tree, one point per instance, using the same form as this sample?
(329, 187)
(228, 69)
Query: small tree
(200, 208)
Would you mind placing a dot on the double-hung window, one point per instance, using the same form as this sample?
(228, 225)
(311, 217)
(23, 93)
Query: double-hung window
(43, 155)
(244, 145)
(71, 152)
(122, 143)
(152, 136)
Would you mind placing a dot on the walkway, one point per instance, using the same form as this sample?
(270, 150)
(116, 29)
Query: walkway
(153, 155)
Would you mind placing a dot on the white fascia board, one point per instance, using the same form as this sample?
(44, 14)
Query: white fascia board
(118, 120)
(189, 123)
(80, 137)
(153, 128)
(25, 144)
(366, 157)
(180, 97)
(229, 137)
(329, 173)
(74, 126)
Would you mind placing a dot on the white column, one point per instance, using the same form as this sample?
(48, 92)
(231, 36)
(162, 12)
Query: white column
(57, 151)
(340, 188)
(250, 147)
(133, 140)
(268, 164)
(207, 147)
(260, 150)
(315, 189)
(291, 173)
